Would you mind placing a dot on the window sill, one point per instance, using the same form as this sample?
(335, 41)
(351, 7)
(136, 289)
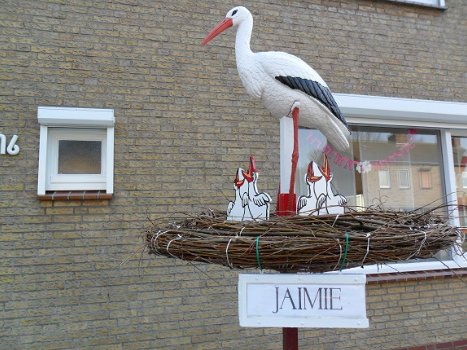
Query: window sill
(74, 195)
(415, 276)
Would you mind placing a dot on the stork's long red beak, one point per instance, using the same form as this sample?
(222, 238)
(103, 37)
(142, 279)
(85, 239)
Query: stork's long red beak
(219, 28)
(310, 175)
(251, 170)
(239, 178)
(252, 167)
(326, 169)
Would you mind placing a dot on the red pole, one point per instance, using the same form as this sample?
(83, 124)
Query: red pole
(287, 205)
(289, 338)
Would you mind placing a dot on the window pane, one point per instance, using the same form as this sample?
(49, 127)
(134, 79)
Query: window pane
(425, 179)
(79, 157)
(377, 156)
(384, 179)
(459, 148)
(404, 178)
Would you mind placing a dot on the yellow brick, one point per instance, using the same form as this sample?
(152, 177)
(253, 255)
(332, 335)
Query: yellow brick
(59, 211)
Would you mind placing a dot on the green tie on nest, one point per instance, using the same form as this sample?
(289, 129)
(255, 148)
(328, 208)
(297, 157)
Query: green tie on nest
(305, 243)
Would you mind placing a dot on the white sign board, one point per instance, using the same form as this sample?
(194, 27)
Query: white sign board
(308, 300)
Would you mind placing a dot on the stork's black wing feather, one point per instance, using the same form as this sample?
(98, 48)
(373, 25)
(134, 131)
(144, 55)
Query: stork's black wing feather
(315, 90)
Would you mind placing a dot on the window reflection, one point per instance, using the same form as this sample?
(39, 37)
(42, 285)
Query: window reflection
(459, 148)
(383, 166)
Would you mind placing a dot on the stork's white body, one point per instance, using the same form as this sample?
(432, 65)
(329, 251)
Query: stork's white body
(315, 201)
(236, 210)
(258, 204)
(334, 202)
(258, 72)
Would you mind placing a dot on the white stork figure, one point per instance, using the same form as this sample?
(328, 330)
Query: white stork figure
(236, 210)
(285, 84)
(258, 205)
(314, 201)
(334, 202)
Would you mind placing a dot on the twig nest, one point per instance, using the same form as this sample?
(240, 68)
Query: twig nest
(304, 243)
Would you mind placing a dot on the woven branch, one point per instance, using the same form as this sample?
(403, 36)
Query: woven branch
(304, 243)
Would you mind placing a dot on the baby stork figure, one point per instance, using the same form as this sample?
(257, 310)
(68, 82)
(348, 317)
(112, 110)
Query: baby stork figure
(320, 198)
(236, 209)
(249, 204)
(315, 200)
(258, 204)
(334, 202)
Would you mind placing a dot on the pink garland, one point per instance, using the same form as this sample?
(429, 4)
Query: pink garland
(363, 166)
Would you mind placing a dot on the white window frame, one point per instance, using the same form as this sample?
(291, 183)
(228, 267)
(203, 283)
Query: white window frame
(464, 179)
(382, 184)
(400, 179)
(450, 118)
(80, 124)
(420, 183)
(74, 182)
(441, 4)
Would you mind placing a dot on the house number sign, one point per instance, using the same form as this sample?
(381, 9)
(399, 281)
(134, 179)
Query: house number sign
(9, 147)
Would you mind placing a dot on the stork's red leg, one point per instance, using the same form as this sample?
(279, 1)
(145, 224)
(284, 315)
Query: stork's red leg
(292, 205)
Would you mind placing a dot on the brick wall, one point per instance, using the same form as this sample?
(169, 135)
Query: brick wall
(72, 274)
